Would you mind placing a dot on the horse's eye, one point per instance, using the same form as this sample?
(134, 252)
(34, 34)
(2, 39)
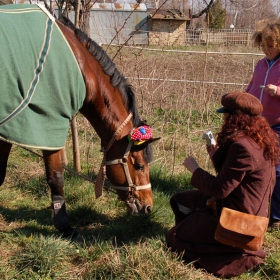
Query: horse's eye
(139, 167)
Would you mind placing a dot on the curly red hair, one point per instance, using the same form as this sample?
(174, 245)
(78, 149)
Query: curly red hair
(257, 128)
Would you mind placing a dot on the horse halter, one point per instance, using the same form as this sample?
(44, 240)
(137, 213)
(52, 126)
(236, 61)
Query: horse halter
(131, 188)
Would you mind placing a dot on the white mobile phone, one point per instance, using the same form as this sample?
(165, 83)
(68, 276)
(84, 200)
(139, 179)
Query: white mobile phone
(262, 86)
(209, 138)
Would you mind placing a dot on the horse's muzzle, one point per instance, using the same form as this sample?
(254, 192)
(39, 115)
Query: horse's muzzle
(135, 207)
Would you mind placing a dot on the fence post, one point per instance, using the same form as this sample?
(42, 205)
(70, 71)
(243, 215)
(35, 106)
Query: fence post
(75, 138)
(248, 39)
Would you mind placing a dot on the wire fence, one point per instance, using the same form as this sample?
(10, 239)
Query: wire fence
(178, 92)
(225, 37)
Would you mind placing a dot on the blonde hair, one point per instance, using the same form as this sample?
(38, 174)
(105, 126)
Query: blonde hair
(267, 31)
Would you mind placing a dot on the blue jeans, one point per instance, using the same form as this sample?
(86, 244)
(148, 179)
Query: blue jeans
(275, 199)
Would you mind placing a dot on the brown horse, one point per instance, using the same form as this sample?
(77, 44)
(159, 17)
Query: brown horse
(109, 105)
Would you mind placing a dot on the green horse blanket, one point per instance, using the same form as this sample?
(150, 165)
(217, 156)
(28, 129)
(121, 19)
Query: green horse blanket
(41, 85)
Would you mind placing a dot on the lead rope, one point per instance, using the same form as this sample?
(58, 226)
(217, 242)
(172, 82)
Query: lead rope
(69, 170)
(99, 183)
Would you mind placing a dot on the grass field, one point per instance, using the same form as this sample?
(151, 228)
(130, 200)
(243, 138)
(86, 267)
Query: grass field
(118, 246)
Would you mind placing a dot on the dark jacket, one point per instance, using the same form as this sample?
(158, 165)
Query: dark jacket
(243, 183)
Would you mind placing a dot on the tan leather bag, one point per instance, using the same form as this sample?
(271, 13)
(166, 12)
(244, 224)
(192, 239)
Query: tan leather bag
(241, 230)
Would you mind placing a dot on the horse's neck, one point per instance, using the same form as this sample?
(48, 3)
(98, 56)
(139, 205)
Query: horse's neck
(107, 123)
(104, 106)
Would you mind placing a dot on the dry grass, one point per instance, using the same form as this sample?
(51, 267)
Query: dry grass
(179, 92)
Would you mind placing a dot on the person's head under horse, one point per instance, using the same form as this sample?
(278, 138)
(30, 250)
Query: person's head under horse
(109, 104)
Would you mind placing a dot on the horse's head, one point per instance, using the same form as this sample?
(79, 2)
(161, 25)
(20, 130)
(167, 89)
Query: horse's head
(128, 170)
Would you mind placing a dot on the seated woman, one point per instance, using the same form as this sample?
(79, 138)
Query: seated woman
(244, 159)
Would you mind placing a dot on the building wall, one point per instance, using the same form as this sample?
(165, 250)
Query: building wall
(167, 32)
(114, 23)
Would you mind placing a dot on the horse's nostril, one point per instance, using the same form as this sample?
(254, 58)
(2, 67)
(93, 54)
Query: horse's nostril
(148, 209)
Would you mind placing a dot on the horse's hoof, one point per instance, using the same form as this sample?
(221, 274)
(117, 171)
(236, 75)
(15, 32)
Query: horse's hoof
(72, 235)
(78, 239)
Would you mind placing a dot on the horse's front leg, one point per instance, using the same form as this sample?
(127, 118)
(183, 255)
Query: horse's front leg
(54, 173)
(5, 149)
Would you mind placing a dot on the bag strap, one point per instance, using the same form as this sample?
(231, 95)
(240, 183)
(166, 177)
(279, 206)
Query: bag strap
(269, 197)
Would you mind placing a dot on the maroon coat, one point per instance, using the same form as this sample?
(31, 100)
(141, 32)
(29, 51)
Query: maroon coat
(244, 183)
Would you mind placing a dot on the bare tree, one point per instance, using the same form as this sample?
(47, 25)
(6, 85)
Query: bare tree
(244, 14)
(276, 7)
(242, 5)
(204, 10)
(201, 6)
(5, 2)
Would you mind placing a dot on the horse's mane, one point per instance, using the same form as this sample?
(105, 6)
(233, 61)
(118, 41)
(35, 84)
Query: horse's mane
(109, 68)
(117, 80)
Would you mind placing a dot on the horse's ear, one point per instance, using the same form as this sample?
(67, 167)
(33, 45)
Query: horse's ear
(151, 140)
(145, 143)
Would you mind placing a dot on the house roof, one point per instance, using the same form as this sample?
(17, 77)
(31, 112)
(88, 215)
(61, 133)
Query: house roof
(171, 14)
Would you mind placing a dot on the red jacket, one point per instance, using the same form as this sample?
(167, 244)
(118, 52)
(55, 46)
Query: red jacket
(263, 75)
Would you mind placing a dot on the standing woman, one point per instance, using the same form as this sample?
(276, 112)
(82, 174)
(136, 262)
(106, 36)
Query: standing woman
(265, 85)
(244, 159)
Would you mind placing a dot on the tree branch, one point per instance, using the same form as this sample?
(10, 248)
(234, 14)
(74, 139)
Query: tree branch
(204, 11)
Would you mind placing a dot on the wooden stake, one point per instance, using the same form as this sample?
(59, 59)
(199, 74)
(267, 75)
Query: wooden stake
(75, 139)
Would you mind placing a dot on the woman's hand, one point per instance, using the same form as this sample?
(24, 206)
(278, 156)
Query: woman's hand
(271, 89)
(190, 164)
(211, 150)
